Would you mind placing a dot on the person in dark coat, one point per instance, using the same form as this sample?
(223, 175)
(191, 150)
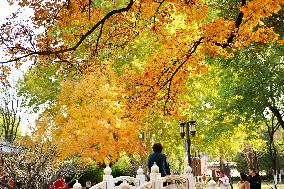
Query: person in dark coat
(160, 159)
(254, 179)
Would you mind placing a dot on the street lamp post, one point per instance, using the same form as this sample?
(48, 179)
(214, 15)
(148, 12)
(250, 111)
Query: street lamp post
(187, 129)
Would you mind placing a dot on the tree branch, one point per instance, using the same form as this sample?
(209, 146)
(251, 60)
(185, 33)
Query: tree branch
(98, 39)
(190, 52)
(83, 37)
(238, 23)
(276, 112)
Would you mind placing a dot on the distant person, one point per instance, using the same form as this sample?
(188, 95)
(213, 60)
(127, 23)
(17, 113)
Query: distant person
(204, 178)
(244, 183)
(254, 179)
(59, 183)
(160, 159)
(224, 181)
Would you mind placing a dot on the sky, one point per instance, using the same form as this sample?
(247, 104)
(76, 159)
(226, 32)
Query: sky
(5, 9)
(27, 118)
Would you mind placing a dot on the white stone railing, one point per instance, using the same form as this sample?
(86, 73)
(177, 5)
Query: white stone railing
(185, 181)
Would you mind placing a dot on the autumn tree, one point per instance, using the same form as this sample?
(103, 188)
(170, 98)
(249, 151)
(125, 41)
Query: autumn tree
(222, 131)
(186, 44)
(232, 101)
(89, 116)
(179, 36)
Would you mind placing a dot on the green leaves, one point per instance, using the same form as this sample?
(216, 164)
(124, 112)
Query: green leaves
(40, 86)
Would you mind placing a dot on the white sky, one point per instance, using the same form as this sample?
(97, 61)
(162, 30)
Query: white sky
(5, 11)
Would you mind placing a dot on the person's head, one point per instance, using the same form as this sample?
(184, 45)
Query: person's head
(243, 177)
(157, 147)
(252, 171)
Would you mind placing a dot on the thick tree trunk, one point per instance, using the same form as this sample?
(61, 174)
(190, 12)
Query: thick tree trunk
(271, 144)
(221, 164)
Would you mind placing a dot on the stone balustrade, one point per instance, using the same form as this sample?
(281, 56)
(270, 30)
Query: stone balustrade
(184, 181)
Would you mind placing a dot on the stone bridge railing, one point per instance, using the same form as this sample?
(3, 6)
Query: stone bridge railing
(184, 181)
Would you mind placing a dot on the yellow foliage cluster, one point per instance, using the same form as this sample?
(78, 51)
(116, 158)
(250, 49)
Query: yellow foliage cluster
(184, 47)
(89, 120)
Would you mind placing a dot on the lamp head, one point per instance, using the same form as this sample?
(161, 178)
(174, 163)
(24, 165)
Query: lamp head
(182, 132)
(192, 128)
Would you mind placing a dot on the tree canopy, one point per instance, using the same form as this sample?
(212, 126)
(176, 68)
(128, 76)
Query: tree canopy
(109, 70)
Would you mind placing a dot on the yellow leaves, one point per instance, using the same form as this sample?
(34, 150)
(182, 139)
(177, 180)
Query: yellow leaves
(89, 119)
(258, 9)
(254, 12)
(218, 31)
(266, 35)
(281, 41)
(199, 13)
(5, 70)
(262, 34)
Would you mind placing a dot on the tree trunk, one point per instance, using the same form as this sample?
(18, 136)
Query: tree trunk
(271, 146)
(221, 164)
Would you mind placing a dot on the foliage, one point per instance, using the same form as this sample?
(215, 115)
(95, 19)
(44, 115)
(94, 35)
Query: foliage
(40, 86)
(33, 165)
(90, 173)
(253, 84)
(240, 159)
(181, 30)
(217, 122)
(124, 167)
(159, 51)
(90, 116)
(255, 80)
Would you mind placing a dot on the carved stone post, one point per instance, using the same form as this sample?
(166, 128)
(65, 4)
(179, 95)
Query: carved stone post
(155, 177)
(77, 185)
(140, 177)
(108, 178)
(189, 177)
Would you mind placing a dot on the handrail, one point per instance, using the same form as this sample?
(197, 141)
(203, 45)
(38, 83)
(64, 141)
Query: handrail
(99, 185)
(145, 185)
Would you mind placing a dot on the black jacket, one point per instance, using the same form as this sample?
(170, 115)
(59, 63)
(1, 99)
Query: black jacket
(161, 162)
(255, 182)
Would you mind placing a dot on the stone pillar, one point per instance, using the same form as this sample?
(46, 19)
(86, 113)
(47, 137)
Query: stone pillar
(190, 184)
(108, 178)
(77, 185)
(155, 177)
(211, 184)
(140, 177)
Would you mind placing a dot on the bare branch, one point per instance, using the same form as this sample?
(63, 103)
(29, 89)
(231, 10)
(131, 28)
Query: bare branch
(98, 38)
